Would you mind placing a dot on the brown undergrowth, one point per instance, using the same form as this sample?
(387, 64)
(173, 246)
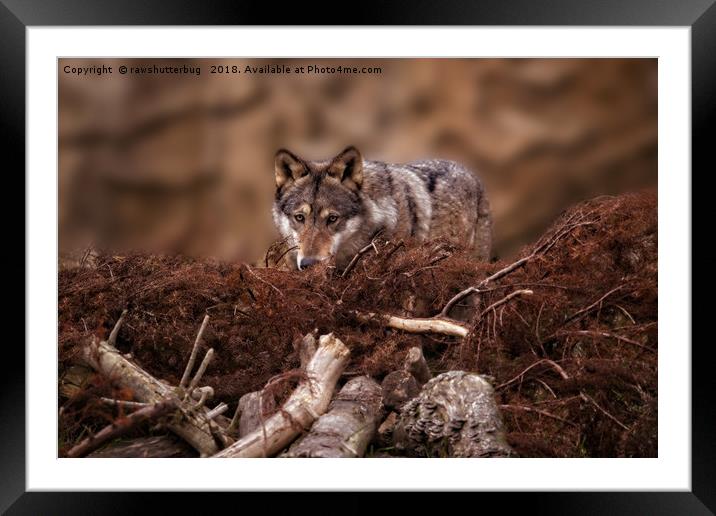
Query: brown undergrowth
(574, 364)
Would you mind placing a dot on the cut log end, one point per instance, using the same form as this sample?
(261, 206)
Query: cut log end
(416, 365)
(455, 415)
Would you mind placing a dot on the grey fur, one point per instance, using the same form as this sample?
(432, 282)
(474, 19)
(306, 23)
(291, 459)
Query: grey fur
(422, 199)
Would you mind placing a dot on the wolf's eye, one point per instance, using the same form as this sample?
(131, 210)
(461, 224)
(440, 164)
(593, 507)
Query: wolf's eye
(299, 217)
(332, 218)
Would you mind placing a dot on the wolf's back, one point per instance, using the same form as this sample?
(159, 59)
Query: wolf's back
(460, 207)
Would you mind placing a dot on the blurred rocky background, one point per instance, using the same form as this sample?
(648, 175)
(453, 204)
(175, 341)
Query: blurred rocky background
(184, 163)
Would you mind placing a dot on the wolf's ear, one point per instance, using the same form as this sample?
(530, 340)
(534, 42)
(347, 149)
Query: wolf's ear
(347, 167)
(288, 167)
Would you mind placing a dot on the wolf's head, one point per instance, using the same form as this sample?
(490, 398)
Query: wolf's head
(318, 206)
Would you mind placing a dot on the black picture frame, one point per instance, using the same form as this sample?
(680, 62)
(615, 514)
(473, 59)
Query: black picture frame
(17, 15)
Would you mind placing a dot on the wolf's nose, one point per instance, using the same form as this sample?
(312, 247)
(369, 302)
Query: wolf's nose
(307, 262)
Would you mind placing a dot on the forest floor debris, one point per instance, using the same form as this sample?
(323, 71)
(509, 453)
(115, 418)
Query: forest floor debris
(567, 330)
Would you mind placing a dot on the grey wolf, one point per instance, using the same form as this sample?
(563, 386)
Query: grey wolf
(335, 207)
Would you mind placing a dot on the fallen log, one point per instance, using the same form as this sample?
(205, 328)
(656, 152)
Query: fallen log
(345, 430)
(154, 447)
(455, 415)
(401, 386)
(191, 425)
(398, 388)
(252, 409)
(306, 404)
(120, 427)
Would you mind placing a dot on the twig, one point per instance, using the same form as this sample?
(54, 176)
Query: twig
(626, 313)
(421, 269)
(588, 398)
(416, 325)
(120, 427)
(430, 265)
(189, 425)
(199, 392)
(606, 335)
(233, 426)
(192, 357)
(124, 403)
(505, 299)
(248, 269)
(271, 249)
(278, 260)
(204, 396)
(219, 409)
(204, 364)
(538, 411)
(540, 249)
(456, 298)
(544, 384)
(112, 340)
(86, 254)
(360, 253)
(557, 368)
(551, 363)
(593, 305)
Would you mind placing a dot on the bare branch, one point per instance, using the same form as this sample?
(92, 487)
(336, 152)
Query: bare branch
(538, 411)
(234, 425)
(551, 363)
(192, 357)
(540, 249)
(360, 253)
(202, 368)
(124, 403)
(505, 300)
(588, 398)
(416, 325)
(112, 340)
(202, 400)
(593, 305)
(606, 335)
(219, 409)
(458, 297)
